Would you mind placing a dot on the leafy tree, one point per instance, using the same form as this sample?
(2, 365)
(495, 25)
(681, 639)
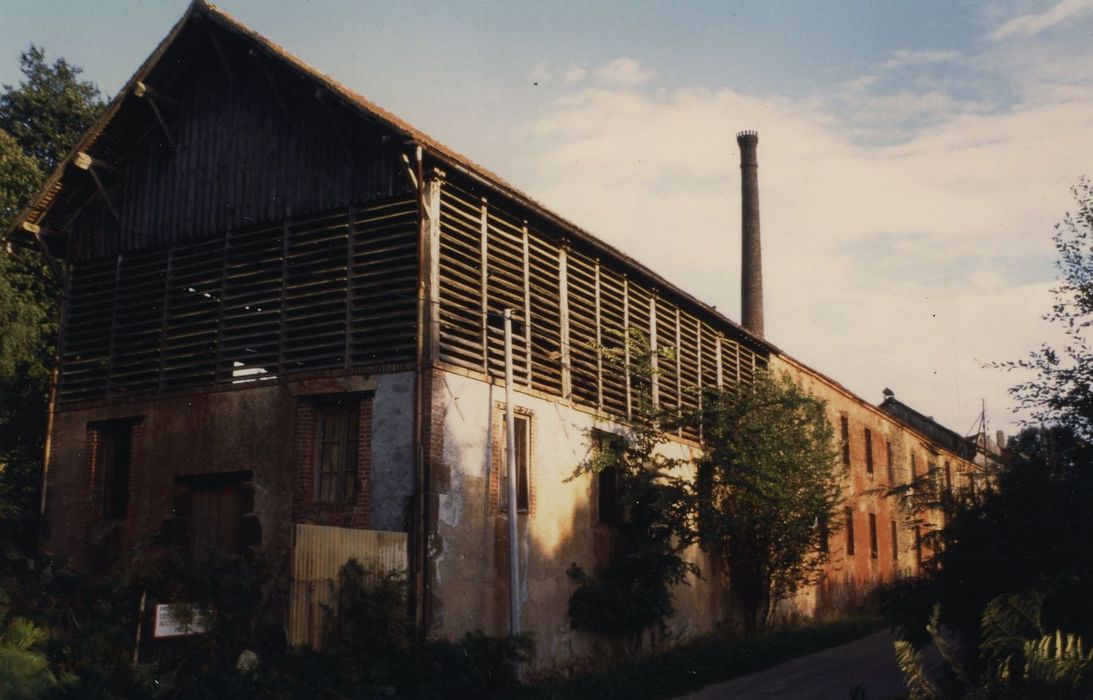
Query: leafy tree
(40, 119)
(1061, 387)
(634, 592)
(769, 484)
(50, 109)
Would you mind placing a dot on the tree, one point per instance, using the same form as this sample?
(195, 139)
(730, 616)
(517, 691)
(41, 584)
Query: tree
(634, 593)
(40, 119)
(769, 485)
(50, 109)
(1061, 387)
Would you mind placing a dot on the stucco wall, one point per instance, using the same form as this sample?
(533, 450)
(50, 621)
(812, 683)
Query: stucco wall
(470, 545)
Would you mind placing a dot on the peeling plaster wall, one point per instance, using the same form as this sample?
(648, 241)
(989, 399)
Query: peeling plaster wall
(392, 451)
(246, 428)
(470, 544)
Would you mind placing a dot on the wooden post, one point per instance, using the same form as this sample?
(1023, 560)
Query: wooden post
(563, 318)
(432, 262)
(654, 361)
(484, 277)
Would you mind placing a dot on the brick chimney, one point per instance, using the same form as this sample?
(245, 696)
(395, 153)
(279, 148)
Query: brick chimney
(751, 259)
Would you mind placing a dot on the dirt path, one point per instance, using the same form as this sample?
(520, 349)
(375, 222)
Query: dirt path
(825, 675)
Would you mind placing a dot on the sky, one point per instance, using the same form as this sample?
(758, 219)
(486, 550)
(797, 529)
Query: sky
(913, 157)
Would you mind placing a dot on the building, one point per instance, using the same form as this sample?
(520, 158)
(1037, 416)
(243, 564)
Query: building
(277, 334)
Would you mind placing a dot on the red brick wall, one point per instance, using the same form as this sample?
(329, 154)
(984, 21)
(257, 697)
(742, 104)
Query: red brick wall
(352, 513)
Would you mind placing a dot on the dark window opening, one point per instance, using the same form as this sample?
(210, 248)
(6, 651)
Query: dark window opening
(868, 451)
(948, 477)
(890, 465)
(873, 549)
(844, 430)
(115, 447)
(337, 434)
(918, 545)
(521, 433)
(849, 531)
(824, 534)
(609, 449)
(895, 541)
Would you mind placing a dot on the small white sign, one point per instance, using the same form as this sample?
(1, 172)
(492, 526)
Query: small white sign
(179, 620)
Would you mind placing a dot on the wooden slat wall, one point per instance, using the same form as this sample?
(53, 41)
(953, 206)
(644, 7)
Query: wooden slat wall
(246, 306)
(318, 554)
(490, 260)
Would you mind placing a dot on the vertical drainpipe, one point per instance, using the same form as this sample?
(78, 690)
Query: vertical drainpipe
(751, 262)
(420, 509)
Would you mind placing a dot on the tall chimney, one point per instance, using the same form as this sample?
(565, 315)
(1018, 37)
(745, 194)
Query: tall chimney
(751, 259)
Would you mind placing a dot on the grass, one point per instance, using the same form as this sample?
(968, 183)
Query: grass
(699, 663)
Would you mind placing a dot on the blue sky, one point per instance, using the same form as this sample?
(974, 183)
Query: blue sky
(913, 156)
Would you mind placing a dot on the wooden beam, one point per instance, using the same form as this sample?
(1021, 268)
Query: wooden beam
(220, 54)
(335, 126)
(83, 161)
(146, 91)
(148, 95)
(273, 87)
(54, 265)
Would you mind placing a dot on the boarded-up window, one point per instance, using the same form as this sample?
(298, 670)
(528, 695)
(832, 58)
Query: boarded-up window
(844, 432)
(113, 453)
(849, 514)
(874, 550)
(336, 451)
(868, 451)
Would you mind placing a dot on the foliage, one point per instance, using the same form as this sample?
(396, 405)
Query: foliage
(1018, 658)
(24, 669)
(50, 109)
(769, 485)
(40, 119)
(635, 591)
(1061, 388)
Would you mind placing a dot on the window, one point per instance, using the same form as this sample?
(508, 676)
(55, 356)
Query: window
(337, 429)
(608, 507)
(522, 433)
(914, 466)
(895, 541)
(825, 534)
(948, 477)
(844, 430)
(112, 457)
(849, 531)
(869, 452)
(891, 466)
(873, 549)
(918, 545)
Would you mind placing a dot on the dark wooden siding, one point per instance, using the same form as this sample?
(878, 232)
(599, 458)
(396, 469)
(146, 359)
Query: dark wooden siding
(245, 152)
(334, 290)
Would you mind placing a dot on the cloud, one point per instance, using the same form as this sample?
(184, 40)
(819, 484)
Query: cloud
(905, 264)
(542, 73)
(623, 71)
(574, 74)
(906, 57)
(1033, 24)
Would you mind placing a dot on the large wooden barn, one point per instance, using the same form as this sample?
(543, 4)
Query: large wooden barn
(276, 335)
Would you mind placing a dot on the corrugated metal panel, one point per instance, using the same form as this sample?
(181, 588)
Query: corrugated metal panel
(318, 554)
